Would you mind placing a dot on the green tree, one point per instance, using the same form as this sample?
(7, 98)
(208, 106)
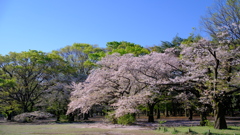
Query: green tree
(30, 75)
(124, 47)
(81, 57)
(7, 106)
(166, 44)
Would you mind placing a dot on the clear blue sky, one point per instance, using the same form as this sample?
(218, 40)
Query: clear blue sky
(48, 25)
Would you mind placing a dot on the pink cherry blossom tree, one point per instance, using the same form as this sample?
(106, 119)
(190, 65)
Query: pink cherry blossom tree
(110, 84)
(213, 68)
(125, 82)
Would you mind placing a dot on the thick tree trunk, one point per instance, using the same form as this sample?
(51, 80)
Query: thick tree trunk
(9, 117)
(150, 113)
(203, 119)
(85, 116)
(219, 116)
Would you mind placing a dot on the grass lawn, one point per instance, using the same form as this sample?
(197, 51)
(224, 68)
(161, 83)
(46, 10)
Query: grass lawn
(200, 130)
(96, 127)
(68, 129)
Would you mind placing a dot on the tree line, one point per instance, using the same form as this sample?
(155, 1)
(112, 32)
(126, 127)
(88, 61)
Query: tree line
(124, 78)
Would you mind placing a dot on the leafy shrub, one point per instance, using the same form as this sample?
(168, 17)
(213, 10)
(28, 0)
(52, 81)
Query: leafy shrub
(123, 120)
(30, 117)
(209, 123)
(162, 121)
(126, 119)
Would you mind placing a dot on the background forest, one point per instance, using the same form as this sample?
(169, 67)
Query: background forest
(192, 76)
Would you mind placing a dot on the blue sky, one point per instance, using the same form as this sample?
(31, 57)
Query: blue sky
(48, 25)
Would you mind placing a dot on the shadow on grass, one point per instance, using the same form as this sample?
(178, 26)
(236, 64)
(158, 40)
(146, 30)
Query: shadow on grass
(232, 128)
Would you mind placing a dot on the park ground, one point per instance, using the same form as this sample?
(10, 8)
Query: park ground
(98, 126)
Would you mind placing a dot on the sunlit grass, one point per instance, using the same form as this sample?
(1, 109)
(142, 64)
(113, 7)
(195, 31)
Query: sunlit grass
(200, 130)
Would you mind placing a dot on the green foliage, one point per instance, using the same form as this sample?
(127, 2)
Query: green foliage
(166, 44)
(126, 119)
(24, 78)
(209, 123)
(63, 118)
(126, 47)
(81, 58)
(191, 39)
(143, 108)
(156, 49)
(162, 121)
(123, 120)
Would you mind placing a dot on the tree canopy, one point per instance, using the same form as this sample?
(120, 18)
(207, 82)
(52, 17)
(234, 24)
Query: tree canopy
(26, 77)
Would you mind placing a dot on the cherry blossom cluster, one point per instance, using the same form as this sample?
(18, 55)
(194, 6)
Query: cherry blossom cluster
(229, 33)
(125, 82)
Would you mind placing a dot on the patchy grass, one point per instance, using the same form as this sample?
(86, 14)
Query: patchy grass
(200, 130)
(96, 126)
(88, 129)
(69, 129)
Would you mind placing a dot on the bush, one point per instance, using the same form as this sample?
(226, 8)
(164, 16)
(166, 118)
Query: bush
(123, 120)
(63, 118)
(209, 123)
(30, 117)
(126, 119)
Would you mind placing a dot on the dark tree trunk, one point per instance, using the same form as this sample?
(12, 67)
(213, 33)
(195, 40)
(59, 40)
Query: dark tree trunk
(219, 116)
(70, 117)
(190, 114)
(85, 116)
(158, 113)
(166, 110)
(203, 119)
(25, 108)
(90, 113)
(58, 118)
(58, 113)
(232, 111)
(9, 116)
(150, 113)
(174, 109)
(186, 112)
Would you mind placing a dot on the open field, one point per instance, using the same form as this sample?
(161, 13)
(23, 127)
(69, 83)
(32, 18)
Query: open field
(97, 127)
(84, 129)
(199, 130)
(72, 129)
